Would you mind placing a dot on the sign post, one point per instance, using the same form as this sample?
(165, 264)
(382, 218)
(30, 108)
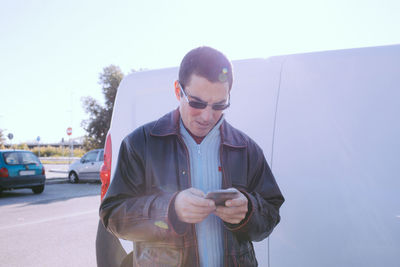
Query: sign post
(62, 146)
(71, 145)
(38, 140)
(10, 136)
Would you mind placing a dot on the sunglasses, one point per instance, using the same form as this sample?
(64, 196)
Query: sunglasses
(201, 104)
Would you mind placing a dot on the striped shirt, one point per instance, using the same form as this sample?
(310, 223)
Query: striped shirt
(206, 176)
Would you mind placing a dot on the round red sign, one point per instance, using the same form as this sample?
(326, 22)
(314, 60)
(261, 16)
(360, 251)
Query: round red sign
(69, 130)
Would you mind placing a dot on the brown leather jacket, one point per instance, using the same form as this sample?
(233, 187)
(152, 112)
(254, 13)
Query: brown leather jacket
(153, 166)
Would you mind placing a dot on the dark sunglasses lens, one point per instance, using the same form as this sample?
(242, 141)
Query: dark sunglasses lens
(196, 104)
(220, 106)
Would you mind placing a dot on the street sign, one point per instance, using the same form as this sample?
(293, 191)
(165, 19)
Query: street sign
(38, 138)
(69, 130)
(10, 136)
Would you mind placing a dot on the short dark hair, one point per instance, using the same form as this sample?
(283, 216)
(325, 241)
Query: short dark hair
(208, 63)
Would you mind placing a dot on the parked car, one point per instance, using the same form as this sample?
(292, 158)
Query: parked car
(88, 167)
(328, 123)
(21, 169)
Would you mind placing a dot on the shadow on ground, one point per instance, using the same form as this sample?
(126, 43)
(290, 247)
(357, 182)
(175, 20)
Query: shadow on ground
(52, 193)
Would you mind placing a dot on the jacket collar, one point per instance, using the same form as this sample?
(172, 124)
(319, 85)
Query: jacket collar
(169, 125)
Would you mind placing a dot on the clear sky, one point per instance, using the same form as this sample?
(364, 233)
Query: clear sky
(52, 51)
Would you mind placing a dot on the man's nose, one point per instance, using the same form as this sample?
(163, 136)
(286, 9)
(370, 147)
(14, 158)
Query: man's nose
(207, 113)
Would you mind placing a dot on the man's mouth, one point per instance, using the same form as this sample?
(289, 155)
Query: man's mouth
(202, 124)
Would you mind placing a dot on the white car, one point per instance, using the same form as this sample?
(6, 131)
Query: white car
(328, 123)
(88, 167)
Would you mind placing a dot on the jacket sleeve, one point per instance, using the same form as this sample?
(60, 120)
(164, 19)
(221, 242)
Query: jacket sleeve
(130, 210)
(264, 198)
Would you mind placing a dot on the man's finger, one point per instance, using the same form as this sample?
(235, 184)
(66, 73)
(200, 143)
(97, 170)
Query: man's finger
(200, 202)
(240, 200)
(231, 211)
(196, 198)
(236, 202)
(196, 192)
(233, 214)
(235, 219)
(192, 209)
(191, 214)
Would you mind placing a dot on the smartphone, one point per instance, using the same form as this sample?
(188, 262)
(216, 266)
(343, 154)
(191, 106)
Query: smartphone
(222, 195)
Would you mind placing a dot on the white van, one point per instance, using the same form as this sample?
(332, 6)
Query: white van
(329, 126)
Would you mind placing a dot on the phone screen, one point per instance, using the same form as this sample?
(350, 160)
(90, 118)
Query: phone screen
(220, 196)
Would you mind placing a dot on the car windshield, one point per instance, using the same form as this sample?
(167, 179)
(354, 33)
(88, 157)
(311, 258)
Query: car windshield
(15, 158)
(90, 156)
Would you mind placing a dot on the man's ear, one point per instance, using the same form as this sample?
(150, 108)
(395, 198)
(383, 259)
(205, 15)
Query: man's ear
(177, 90)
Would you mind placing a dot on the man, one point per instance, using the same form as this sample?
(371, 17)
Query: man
(165, 168)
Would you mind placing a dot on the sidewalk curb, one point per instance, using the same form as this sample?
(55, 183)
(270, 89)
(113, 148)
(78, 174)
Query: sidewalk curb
(66, 181)
(57, 181)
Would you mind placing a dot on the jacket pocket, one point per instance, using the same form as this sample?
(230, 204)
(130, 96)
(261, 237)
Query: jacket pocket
(244, 257)
(247, 259)
(158, 256)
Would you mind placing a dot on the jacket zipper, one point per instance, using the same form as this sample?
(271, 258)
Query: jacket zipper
(190, 185)
(223, 184)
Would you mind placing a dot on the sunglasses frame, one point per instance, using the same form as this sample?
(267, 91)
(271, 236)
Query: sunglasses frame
(203, 105)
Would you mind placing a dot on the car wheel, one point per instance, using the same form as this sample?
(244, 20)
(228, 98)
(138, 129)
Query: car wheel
(38, 189)
(73, 177)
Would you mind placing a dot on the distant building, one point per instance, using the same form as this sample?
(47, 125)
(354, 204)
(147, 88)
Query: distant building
(77, 142)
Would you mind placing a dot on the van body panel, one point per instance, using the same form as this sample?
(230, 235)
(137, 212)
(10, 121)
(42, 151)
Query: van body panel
(141, 97)
(336, 159)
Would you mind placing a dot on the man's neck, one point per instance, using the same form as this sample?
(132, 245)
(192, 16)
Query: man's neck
(196, 138)
(199, 139)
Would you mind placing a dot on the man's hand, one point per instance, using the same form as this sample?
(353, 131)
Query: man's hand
(192, 207)
(234, 210)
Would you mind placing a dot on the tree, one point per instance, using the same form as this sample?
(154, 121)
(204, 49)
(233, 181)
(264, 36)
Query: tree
(100, 116)
(23, 146)
(2, 138)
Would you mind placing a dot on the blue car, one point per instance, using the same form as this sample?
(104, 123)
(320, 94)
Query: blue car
(21, 169)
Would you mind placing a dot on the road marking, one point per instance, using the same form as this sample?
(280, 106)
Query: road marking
(51, 219)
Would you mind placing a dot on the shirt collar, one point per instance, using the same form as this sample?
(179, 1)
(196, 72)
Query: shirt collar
(169, 124)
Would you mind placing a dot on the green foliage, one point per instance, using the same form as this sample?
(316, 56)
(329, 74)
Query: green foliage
(2, 138)
(110, 80)
(23, 146)
(50, 151)
(90, 143)
(100, 117)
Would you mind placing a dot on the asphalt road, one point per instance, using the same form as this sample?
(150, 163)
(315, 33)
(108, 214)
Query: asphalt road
(55, 228)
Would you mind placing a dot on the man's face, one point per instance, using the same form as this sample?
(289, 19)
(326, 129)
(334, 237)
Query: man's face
(201, 121)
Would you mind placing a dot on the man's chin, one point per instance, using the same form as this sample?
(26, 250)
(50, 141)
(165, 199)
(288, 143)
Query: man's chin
(201, 132)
